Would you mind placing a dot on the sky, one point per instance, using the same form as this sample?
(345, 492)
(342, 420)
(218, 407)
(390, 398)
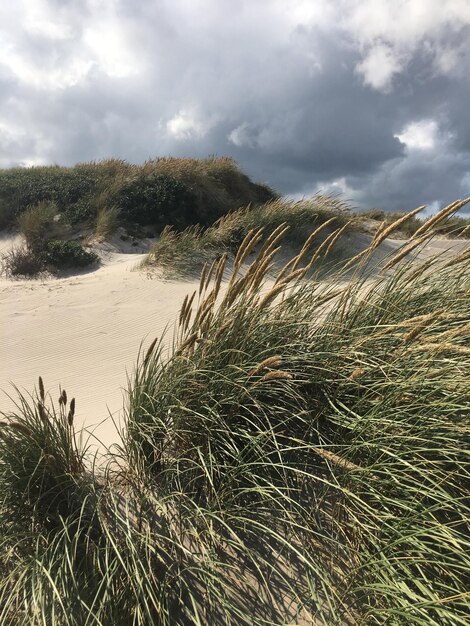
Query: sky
(369, 99)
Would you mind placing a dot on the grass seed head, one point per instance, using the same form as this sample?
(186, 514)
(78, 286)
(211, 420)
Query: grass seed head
(149, 352)
(42, 394)
(276, 375)
(272, 361)
(21, 428)
(42, 411)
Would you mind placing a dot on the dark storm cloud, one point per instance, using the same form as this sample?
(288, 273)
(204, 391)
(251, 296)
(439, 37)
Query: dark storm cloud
(306, 96)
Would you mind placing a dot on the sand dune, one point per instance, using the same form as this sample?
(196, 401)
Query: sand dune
(83, 332)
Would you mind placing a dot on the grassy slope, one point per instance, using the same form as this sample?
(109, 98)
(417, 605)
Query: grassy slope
(161, 191)
(184, 252)
(300, 455)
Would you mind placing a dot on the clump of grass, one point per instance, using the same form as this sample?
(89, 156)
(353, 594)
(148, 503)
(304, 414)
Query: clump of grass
(41, 462)
(107, 222)
(297, 455)
(35, 224)
(21, 261)
(335, 419)
(185, 252)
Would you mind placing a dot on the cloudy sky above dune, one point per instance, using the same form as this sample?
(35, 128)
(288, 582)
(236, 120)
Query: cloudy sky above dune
(367, 98)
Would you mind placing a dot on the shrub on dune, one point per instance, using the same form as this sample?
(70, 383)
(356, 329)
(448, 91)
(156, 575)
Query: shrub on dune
(21, 262)
(66, 254)
(36, 224)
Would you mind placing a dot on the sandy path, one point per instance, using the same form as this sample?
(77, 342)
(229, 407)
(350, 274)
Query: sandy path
(83, 333)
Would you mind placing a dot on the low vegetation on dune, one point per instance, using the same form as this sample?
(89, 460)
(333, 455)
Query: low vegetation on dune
(322, 220)
(180, 253)
(178, 191)
(297, 455)
(73, 203)
(45, 247)
(200, 208)
(455, 226)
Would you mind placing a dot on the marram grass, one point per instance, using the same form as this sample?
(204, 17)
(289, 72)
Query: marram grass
(298, 455)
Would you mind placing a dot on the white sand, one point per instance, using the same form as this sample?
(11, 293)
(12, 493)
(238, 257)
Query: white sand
(83, 332)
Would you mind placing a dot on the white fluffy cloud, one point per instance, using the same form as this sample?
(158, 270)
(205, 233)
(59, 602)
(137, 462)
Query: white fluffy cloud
(420, 135)
(379, 67)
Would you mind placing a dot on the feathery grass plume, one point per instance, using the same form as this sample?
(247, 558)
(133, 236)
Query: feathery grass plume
(150, 350)
(403, 252)
(425, 321)
(440, 216)
(276, 375)
(287, 268)
(271, 361)
(337, 460)
(212, 267)
(219, 275)
(42, 394)
(187, 344)
(325, 246)
(71, 411)
(441, 347)
(186, 307)
(202, 278)
(42, 411)
(183, 309)
(307, 245)
(262, 271)
(459, 331)
(272, 293)
(335, 238)
(381, 235)
(251, 240)
(273, 239)
(21, 428)
(356, 373)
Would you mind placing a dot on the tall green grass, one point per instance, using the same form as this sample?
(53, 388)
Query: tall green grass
(298, 454)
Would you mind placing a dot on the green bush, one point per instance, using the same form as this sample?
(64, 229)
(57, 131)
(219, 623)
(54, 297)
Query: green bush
(162, 191)
(69, 188)
(67, 254)
(155, 199)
